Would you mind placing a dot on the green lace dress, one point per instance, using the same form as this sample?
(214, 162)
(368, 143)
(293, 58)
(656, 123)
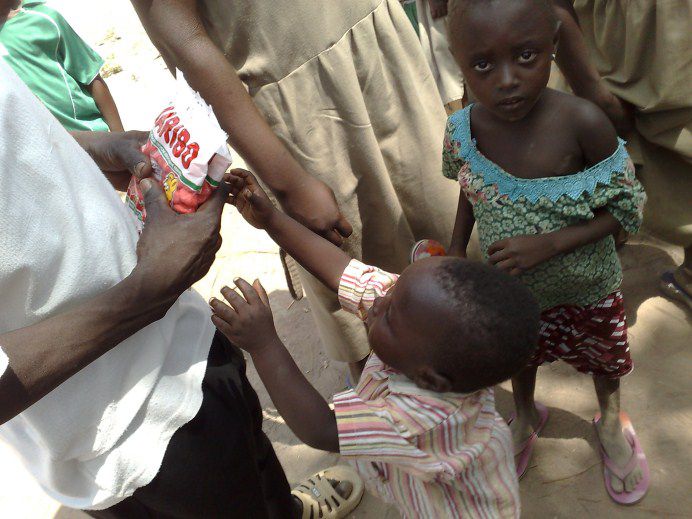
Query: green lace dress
(506, 206)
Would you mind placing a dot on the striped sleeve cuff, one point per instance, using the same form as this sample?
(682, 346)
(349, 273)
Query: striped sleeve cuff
(360, 285)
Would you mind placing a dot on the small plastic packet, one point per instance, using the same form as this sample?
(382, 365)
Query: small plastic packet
(184, 139)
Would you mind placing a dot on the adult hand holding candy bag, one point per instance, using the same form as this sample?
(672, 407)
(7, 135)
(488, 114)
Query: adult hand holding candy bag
(185, 138)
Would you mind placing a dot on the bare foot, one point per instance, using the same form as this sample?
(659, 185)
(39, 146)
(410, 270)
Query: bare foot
(619, 451)
(522, 427)
(343, 488)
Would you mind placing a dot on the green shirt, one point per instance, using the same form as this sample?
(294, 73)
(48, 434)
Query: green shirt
(55, 63)
(505, 206)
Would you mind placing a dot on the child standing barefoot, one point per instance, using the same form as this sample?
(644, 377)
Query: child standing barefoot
(549, 184)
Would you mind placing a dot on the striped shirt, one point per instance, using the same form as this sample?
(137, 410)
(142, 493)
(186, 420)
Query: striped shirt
(431, 454)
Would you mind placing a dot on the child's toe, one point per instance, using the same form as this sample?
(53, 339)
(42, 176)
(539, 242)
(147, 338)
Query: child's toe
(617, 484)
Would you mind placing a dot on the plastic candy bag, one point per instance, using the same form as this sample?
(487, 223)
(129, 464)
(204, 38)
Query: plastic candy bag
(184, 139)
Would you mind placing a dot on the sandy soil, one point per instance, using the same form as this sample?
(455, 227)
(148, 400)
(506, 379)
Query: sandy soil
(565, 479)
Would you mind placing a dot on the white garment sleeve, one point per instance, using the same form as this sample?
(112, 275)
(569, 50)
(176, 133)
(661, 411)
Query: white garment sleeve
(4, 362)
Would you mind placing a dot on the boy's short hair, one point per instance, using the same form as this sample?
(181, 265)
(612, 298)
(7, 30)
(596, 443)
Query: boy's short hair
(496, 327)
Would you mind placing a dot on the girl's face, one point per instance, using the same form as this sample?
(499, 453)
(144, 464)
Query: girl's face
(504, 49)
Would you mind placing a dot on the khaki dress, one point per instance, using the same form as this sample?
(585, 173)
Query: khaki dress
(346, 87)
(643, 51)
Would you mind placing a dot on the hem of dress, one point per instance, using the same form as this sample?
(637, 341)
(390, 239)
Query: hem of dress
(586, 301)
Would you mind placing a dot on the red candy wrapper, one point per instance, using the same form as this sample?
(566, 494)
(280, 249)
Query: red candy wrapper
(185, 137)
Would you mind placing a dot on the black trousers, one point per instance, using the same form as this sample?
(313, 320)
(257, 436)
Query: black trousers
(220, 464)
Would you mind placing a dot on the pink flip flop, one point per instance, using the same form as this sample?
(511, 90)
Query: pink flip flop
(638, 457)
(526, 449)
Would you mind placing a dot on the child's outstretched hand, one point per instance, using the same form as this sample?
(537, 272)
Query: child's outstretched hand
(248, 323)
(520, 253)
(250, 199)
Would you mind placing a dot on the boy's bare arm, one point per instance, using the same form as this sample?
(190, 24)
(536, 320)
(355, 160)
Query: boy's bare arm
(248, 323)
(175, 27)
(104, 101)
(321, 258)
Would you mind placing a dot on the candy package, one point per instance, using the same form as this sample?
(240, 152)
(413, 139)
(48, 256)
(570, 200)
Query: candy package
(184, 139)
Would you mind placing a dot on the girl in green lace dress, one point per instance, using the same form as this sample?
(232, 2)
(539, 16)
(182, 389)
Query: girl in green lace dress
(548, 183)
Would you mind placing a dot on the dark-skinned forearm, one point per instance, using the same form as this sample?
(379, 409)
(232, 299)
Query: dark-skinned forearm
(44, 355)
(463, 226)
(106, 104)
(320, 257)
(573, 56)
(575, 236)
(176, 29)
(94, 143)
(306, 413)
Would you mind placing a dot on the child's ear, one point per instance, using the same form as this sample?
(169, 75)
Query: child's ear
(427, 377)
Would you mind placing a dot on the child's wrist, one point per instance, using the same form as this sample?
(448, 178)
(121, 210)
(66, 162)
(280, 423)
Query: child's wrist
(270, 221)
(268, 347)
(556, 245)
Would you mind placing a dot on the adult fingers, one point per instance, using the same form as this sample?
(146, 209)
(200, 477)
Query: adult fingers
(249, 293)
(216, 202)
(128, 149)
(261, 292)
(154, 197)
(142, 169)
(344, 227)
(234, 299)
(515, 271)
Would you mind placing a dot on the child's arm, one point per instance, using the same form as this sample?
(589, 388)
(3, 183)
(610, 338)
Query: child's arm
(463, 226)
(104, 101)
(177, 30)
(573, 59)
(320, 257)
(520, 253)
(249, 325)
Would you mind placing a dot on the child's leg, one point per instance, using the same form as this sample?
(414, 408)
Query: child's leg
(609, 430)
(527, 418)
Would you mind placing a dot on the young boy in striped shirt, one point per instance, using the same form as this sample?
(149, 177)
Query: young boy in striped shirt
(421, 426)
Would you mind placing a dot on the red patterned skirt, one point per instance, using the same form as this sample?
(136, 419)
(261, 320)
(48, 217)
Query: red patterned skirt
(593, 338)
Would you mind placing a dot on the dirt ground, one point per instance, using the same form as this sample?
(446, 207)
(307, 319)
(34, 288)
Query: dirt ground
(565, 478)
